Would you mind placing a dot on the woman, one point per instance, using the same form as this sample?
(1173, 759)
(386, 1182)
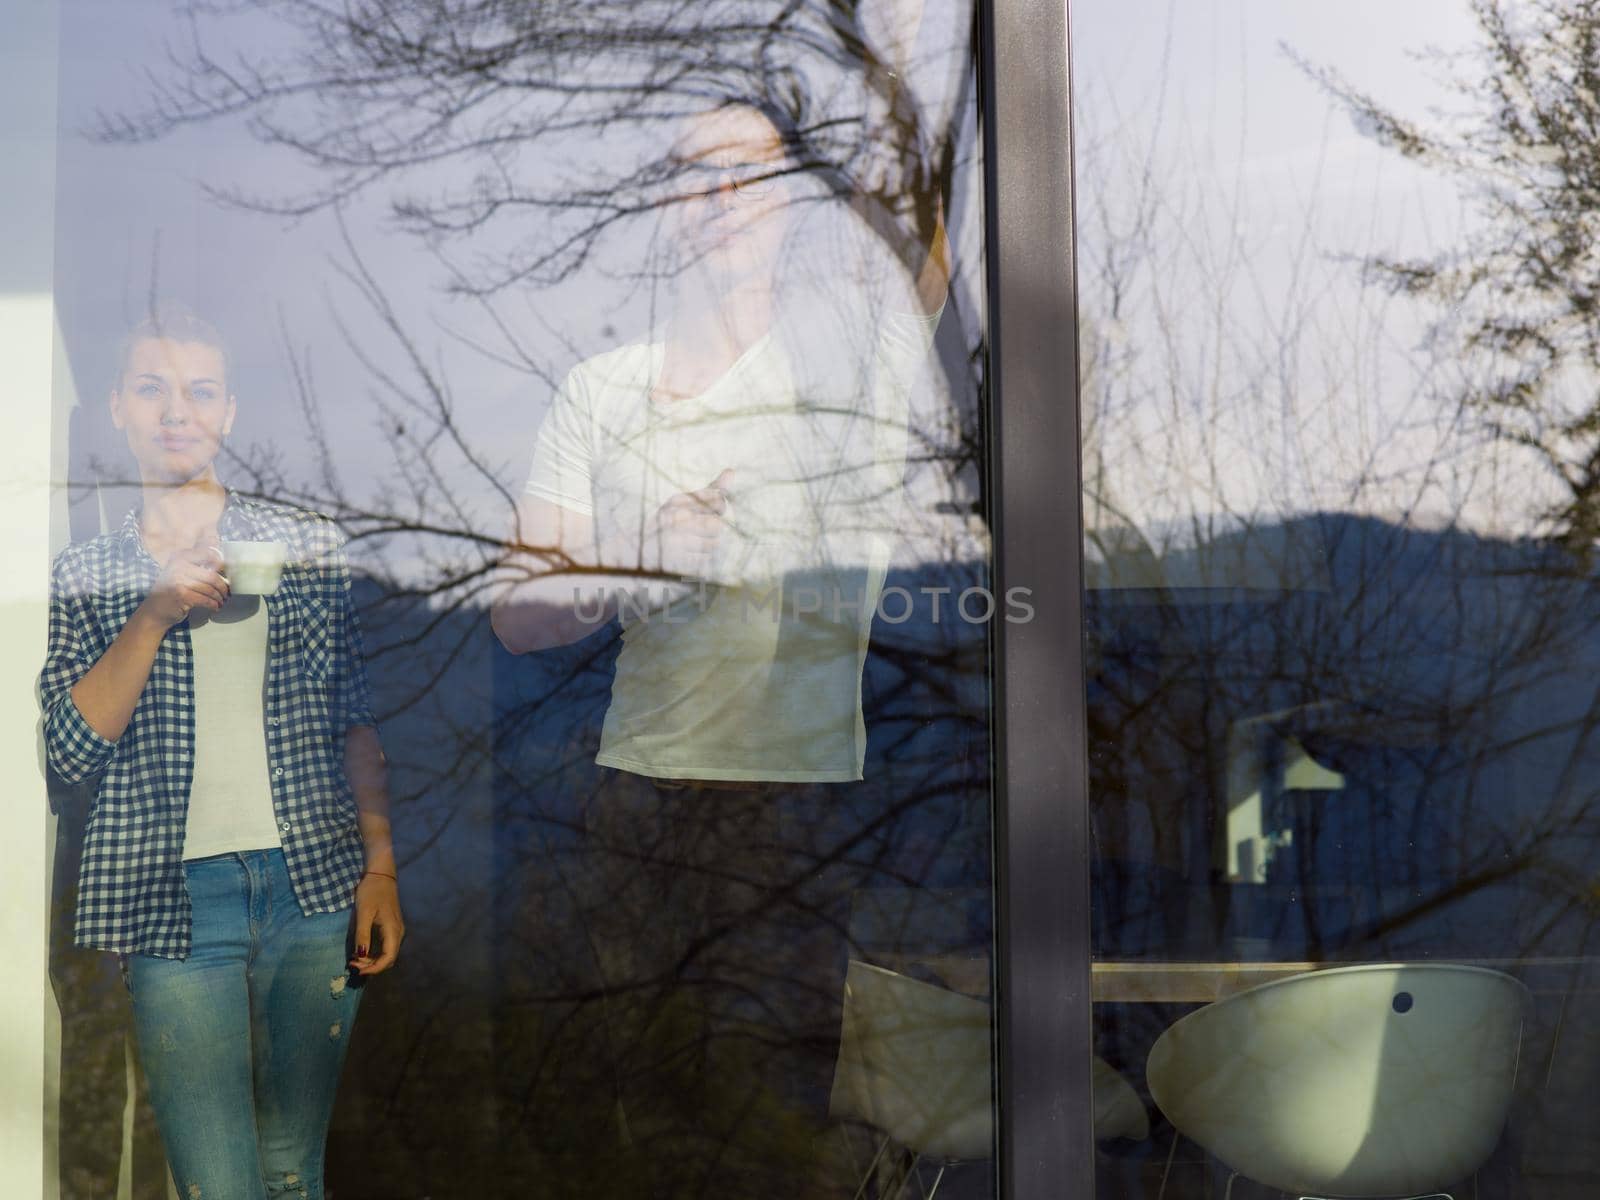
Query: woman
(242, 808)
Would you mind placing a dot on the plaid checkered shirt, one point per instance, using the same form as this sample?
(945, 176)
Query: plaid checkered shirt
(131, 893)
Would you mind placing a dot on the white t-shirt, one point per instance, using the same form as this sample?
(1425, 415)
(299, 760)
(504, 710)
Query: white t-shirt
(759, 676)
(230, 795)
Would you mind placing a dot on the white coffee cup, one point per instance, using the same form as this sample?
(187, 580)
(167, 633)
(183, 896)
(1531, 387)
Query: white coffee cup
(253, 568)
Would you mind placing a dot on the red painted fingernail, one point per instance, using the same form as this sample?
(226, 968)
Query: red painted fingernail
(361, 951)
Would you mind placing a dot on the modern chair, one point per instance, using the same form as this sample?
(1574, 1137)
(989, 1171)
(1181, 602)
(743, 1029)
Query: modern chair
(1118, 1111)
(915, 1064)
(1387, 1080)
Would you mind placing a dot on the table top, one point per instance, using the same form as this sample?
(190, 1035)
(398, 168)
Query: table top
(1152, 982)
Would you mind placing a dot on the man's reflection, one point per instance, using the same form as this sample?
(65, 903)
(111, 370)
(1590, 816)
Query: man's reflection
(728, 488)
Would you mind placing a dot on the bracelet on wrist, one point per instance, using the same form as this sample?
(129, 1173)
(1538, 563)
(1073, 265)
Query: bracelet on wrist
(385, 875)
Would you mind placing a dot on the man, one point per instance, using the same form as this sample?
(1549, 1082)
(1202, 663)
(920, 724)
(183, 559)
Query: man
(729, 488)
(734, 505)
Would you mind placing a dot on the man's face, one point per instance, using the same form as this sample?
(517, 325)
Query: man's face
(733, 224)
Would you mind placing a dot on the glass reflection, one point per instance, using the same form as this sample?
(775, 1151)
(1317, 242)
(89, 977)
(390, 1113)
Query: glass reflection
(644, 341)
(728, 489)
(1340, 605)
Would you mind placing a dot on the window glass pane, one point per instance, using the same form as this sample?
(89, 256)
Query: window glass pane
(27, 158)
(1339, 362)
(524, 487)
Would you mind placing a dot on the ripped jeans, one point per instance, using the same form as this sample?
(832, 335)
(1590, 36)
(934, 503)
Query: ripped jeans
(242, 1042)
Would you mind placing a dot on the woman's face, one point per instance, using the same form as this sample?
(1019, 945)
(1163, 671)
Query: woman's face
(173, 405)
(731, 162)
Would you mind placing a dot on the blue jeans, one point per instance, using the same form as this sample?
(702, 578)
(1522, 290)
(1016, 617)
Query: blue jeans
(242, 1042)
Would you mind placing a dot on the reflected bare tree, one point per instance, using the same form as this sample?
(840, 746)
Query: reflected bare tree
(1299, 542)
(479, 115)
(518, 142)
(523, 145)
(1517, 297)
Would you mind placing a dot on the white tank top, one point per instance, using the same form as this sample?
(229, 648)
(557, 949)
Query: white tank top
(230, 798)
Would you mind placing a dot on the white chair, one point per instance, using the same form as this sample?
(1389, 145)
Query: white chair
(1369, 1081)
(1118, 1111)
(915, 1063)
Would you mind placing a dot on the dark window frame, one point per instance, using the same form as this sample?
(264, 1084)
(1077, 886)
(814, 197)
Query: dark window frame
(1045, 1097)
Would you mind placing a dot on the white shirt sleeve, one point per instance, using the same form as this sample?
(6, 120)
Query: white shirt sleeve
(904, 339)
(563, 456)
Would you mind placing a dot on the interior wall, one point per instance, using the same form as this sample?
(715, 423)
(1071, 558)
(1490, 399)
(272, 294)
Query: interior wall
(28, 38)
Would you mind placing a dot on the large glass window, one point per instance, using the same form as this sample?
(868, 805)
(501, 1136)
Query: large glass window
(1339, 352)
(517, 692)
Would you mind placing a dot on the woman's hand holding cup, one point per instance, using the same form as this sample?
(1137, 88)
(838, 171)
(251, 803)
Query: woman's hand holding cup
(191, 579)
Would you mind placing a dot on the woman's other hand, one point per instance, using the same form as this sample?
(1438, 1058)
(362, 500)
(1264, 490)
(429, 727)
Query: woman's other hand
(379, 926)
(191, 579)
